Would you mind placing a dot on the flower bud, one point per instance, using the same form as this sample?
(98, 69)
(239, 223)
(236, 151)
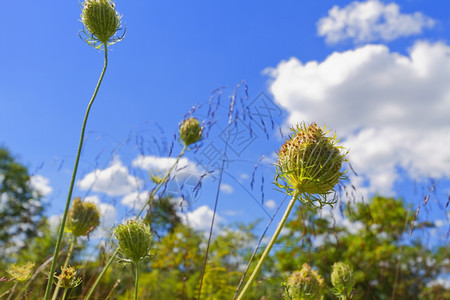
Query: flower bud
(309, 163)
(134, 240)
(68, 278)
(342, 279)
(83, 217)
(22, 272)
(101, 20)
(190, 131)
(305, 284)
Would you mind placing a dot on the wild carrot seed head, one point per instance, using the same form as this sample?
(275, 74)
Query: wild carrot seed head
(83, 218)
(101, 21)
(309, 165)
(304, 284)
(342, 279)
(190, 131)
(134, 240)
(68, 278)
(21, 272)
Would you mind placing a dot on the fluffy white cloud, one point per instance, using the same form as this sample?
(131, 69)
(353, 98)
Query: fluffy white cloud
(369, 21)
(226, 188)
(135, 200)
(41, 184)
(391, 109)
(200, 219)
(156, 164)
(270, 204)
(113, 181)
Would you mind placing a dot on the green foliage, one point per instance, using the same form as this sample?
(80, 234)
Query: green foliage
(20, 207)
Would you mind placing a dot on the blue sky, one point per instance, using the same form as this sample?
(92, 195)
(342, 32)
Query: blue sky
(376, 72)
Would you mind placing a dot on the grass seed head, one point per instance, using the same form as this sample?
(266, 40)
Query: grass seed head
(309, 165)
(342, 279)
(83, 218)
(21, 272)
(305, 284)
(101, 21)
(190, 131)
(134, 240)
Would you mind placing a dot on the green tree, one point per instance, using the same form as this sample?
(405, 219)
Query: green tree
(20, 206)
(386, 262)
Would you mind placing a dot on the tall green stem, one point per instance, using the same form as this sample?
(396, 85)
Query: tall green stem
(148, 202)
(268, 248)
(136, 281)
(72, 182)
(66, 263)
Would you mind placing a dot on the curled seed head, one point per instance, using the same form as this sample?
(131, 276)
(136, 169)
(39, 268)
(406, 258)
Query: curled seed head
(342, 279)
(68, 278)
(134, 240)
(21, 272)
(309, 162)
(101, 21)
(305, 284)
(83, 218)
(190, 131)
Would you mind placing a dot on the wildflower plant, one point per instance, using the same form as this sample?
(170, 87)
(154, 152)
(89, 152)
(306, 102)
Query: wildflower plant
(21, 272)
(134, 243)
(190, 131)
(83, 218)
(101, 22)
(309, 166)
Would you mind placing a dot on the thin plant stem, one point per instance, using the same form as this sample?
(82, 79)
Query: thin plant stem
(65, 294)
(66, 263)
(148, 202)
(72, 182)
(13, 289)
(268, 248)
(136, 280)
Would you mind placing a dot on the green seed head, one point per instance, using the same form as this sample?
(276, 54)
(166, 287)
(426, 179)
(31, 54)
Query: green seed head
(83, 218)
(134, 240)
(21, 272)
(101, 21)
(190, 131)
(305, 284)
(342, 279)
(309, 164)
(68, 278)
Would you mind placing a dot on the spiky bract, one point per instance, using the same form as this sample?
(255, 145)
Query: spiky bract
(309, 165)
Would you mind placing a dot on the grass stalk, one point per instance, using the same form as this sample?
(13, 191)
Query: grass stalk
(72, 182)
(268, 248)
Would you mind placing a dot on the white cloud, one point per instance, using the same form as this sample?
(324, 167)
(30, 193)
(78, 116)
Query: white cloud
(391, 109)
(370, 21)
(41, 184)
(113, 181)
(156, 164)
(135, 200)
(200, 219)
(270, 204)
(226, 188)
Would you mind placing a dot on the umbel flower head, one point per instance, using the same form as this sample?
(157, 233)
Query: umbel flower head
(305, 284)
(68, 278)
(21, 272)
(342, 280)
(309, 165)
(101, 22)
(83, 218)
(190, 131)
(134, 240)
